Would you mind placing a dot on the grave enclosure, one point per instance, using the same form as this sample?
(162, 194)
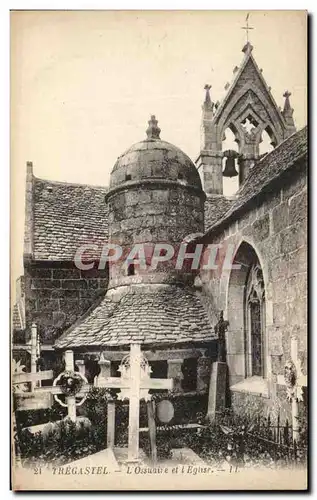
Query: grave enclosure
(133, 386)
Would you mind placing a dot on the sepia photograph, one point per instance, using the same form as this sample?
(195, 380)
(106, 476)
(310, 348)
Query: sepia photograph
(158, 294)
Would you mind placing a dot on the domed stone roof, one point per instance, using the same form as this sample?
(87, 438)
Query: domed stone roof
(154, 159)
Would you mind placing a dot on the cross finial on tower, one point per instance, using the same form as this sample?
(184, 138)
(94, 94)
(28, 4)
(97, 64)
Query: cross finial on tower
(247, 28)
(153, 131)
(288, 112)
(208, 105)
(287, 104)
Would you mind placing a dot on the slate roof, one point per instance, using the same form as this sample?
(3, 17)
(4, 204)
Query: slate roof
(154, 159)
(266, 171)
(215, 208)
(66, 216)
(165, 314)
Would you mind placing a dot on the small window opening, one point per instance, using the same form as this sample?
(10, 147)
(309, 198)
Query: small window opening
(159, 369)
(131, 270)
(92, 369)
(180, 176)
(114, 369)
(189, 369)
(128, 177)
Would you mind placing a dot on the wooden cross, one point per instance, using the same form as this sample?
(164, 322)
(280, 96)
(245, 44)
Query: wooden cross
(294, 380)
(22, 378)
(28, 399)
(134, 383)
(33, 352)
(32, 400)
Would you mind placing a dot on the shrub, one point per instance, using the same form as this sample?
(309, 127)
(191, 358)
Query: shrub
(245, 438)
(28, 418)
(65, 442)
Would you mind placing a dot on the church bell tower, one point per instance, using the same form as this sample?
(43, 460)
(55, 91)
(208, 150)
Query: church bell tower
(248, 109)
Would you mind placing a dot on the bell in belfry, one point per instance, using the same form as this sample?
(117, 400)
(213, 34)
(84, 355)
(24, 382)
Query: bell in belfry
(230, 169)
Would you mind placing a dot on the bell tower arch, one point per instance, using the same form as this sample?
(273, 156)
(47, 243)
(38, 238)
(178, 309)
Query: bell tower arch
(248, 110)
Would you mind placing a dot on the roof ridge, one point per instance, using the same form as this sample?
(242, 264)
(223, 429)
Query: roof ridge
(240, 202)
(268, 155)
(281, 144)
(248, 57)
(82, 317)
(243, 64)
(65, 183)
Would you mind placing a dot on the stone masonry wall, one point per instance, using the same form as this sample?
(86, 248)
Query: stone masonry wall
(150, 215)
(277, 230)
(56, 295)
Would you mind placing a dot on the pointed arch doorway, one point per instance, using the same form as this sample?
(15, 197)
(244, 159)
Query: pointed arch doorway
(246, 340)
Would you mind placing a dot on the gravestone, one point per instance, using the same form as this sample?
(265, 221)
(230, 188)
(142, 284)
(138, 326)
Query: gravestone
(218, 375)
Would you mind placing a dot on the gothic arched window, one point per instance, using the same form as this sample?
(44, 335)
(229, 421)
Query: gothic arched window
(255, 316)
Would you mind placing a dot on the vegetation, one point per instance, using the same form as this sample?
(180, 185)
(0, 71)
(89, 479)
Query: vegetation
(65, 442)
(245, 439)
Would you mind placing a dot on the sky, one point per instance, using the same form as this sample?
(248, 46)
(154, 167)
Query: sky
(84, 84)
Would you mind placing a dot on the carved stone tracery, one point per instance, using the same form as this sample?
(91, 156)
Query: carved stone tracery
(256, 289)
(255, 297)
(248, 100)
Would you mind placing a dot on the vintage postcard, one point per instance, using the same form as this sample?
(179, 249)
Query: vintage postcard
(159, 250)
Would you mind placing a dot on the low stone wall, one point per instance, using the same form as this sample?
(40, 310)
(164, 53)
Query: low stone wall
(45, 429)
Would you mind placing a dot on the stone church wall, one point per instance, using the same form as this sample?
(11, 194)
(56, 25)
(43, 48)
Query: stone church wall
(57, 294)
(276, 229)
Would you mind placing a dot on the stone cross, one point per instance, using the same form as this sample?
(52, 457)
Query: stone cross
(71, 399)
(31, 400)
(55, 390)
(294, 380)
(134, 384)
(22, 378)
(34, 353)
(34, 399)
